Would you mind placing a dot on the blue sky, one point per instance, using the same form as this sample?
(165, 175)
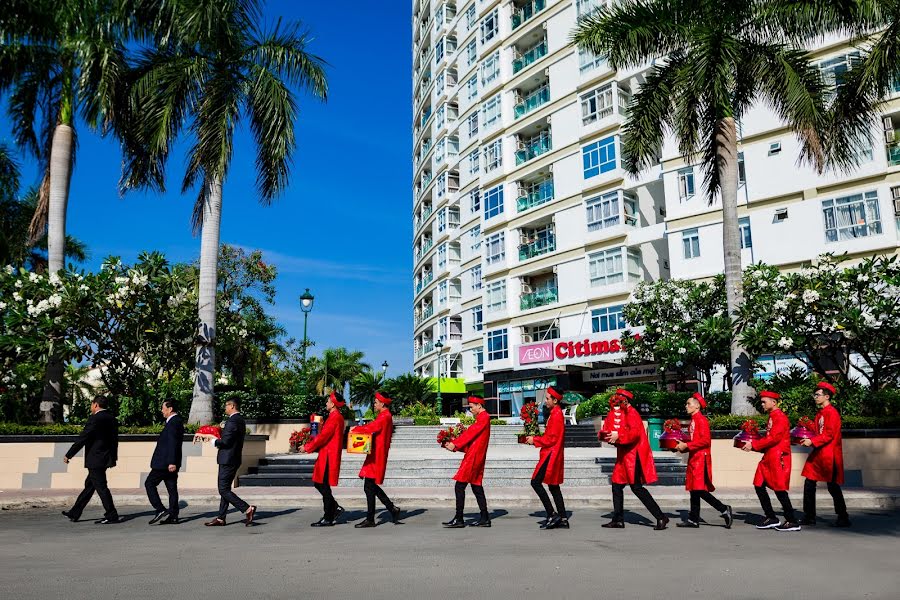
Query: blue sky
(342, 228)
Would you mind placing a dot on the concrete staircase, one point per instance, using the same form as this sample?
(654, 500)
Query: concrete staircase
(406, 436)
(581, 436)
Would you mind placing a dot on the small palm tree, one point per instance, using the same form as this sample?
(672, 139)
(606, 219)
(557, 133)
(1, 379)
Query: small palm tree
(334, 370)
(408, 389)
(211, 66)
(713, 61)
(364, 386)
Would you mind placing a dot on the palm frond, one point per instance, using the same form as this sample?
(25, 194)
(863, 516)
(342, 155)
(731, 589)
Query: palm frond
(283, 52)
(648, 115)
(272, 112)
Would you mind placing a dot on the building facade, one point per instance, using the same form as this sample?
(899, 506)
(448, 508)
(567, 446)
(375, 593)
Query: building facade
(528, 234)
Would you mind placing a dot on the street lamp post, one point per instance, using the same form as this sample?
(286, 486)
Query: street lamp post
(306, 305)
(440, 348)
(384, 367)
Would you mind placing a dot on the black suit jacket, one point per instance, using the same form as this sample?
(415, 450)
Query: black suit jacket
(232, 442)
(100, 440)
(168, 447)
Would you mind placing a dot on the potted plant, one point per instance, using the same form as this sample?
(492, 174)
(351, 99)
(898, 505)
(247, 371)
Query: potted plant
(749, 432)
(529, 414)
(805, 430)
(672, 434)
(299, 438)
(449, 434)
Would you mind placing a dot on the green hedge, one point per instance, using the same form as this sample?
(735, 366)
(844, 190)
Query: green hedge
(70, 429)
(728, 422)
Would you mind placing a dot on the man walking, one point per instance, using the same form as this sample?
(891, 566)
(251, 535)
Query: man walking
(474, 442)
(826, 461)
(229, 458)
(100, 440)
(327, 470)
(551, 462)
(164, 466)
(774, 469)
(375, 465)
(699, 468)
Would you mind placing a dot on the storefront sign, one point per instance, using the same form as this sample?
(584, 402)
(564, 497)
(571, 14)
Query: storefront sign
(638, 372)
(569, 351)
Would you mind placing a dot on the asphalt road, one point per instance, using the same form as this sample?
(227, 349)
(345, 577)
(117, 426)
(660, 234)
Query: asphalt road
(42, 555)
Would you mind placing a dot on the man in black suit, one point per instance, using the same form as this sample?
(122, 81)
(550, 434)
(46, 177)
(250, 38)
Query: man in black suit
(229, 458)
(100, 440)
(164, 465)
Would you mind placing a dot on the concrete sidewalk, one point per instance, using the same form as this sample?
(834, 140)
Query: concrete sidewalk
(410, 498)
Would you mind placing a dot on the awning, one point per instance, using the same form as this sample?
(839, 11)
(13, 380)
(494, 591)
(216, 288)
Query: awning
(449, 385)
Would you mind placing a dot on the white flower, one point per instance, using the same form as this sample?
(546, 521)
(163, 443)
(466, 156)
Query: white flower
(18, 284)
(54, 279)
(242, 333)
(679, 364)
(785, 343)
(9, 269)
(83, 288)
(780, 305)
(55, 300)
(24, 386)
(17, 296)
(810, 296)
(2, 305)
(32, 277)
(682, 350)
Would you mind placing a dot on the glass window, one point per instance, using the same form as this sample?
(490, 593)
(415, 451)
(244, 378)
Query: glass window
(442, 292)
(603, 211)
(495, 296)
(475, 239)
(490, 26)
(690, 242)
(744, 229)
(442, 219)
(583, 7)
(597, 104)
(497, 344)
(610, 318)
(443, 326)
(475, 201)
(588, 61)
(851, 217)
(834, 70)
(442, 256)
(742, 170)
(472, 87)
(493, 155)
(440, 116)
(439, 84)
(471, 53)
(439, 51)
(607, 267)
(686, 187)
(599, 157)
(474, 162)
(491, 111)
(472, 123)
(470, 17)
(476, 277)
(442, 184)
(493, 202)
(495, 248)
(490, 68)
(478, 359)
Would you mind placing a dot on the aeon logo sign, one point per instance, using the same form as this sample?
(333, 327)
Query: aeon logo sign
(536, 353)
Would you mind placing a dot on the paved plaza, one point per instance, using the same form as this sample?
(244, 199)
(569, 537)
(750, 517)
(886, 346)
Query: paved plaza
(44, 556)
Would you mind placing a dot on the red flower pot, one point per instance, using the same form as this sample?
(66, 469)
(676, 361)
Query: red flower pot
(670, 439)
(522, 437)
(743, 437)
(800, 433)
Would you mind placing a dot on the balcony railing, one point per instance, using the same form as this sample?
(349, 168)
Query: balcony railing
(424, 349)
(537, 98)
(540, 246)
(425, 248)
(529, 56)
(524, 13)
(428, 278)
(424, 315)
(425, 116)
(534, 147)
(893, 154)
(539, 298)
(535, 197)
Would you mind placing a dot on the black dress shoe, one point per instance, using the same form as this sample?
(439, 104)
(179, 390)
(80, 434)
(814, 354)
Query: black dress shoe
(728, 515)
(614, 525)
(661, 524)
(842, 522)
(114, 521)
(808, 521)
(545, 524)
(557, 522)
(170, 520)
(158, 516)
(482, 522)
(688, 524)
(365, 524)
(395, 514)
(455, 523)
(338, 512)
(68, 514)
(323, 522)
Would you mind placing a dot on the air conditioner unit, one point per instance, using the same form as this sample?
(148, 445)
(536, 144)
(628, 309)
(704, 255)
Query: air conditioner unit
(521, 191)
(547, 72)
(526, 288)
(517, 96)
(526, 338)
(521, 146)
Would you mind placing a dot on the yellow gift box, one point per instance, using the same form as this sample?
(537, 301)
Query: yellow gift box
(359, 443)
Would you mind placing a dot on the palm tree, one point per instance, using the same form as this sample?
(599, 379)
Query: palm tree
(211, 66)
(334, 369)
(409, 389)
(364, 386)
(713, 61)
(59, 59)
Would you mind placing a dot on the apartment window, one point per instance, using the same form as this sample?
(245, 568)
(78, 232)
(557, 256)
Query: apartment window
(472, 124)
(607, 267)
(588, 61)
(742, 170)
(490, 68)
(442, 184)
(471, 53)
(478, 359)
(610, 318)
(495, 248)
(493, 155)
(603, 211)
(439, 51)
(744, 232)
(537, 333)
(476, 277)
(584, 7)
(599, 157)
(490, 26)
(851, 217)
(442, 292)
(834, 70)
(473, 162)
(597, 104)
(475, 239)
(774, 148)
(442, 220)
(491, 111)
(472, 87)
(493, 202)
(497, 344)
(495, 296)
(477, 318)
(686, 188)
(439, 150)
(443, 329)
(440, 116)
(439, 84)
(475, 201)
(471, 17)
(442, 257)
(690, 243)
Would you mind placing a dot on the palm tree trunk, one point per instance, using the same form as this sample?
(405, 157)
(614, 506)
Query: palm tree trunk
(205, 373)
(60, 177)
(726, 159)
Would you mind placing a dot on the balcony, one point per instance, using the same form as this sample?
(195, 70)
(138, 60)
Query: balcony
(529, 56)
(539, 298)
(893, 154)
(424, 315)
(534, 100)
(534, 194)
(534, 147)
(421, 220)
(526, 12)
(426, 246)
(424, 349)
(542, 245)
(428, 278)
(425, 116)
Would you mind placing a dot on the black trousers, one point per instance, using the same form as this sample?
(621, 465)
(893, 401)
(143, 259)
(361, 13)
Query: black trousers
(328, 501)
(152, 482)
(696, 497)
(766, 504)
(372, 490)
(95, 481)
(618, 494)
(226, 479)
(537, 485)
(809, 499)
(460, 491)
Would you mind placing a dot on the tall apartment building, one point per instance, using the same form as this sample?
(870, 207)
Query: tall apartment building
(528, 234)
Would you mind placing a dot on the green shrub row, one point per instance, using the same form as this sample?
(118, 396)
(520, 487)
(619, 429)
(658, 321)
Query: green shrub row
(70, 429)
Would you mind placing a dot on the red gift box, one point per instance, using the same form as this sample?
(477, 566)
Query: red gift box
(213, 430)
